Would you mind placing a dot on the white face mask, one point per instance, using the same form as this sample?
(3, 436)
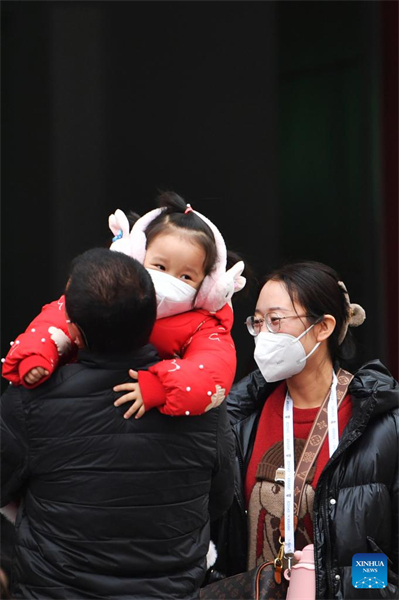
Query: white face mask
(174, 296)
(280, 355)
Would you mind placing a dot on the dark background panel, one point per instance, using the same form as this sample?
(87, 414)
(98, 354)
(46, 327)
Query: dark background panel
(330, 83)
(26, 207)
(268, 117)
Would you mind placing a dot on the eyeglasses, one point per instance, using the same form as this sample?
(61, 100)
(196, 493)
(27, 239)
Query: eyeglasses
(273, 322)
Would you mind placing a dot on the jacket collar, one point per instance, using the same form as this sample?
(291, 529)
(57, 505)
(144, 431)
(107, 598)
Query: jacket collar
(374, 392)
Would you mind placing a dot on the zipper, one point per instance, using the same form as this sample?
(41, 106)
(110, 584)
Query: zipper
(330, 581)
(241, 463)
(324, 510)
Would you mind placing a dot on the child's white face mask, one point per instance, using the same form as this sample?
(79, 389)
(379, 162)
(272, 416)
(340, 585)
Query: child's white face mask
(174, 296)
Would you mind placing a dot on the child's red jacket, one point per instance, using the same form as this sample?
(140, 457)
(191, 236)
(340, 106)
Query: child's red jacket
(196, 374)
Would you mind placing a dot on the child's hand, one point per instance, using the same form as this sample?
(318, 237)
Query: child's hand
(35, 375)
(134, 394)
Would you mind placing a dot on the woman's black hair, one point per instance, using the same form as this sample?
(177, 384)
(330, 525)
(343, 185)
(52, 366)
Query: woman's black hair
(314, 286)
(176, 217)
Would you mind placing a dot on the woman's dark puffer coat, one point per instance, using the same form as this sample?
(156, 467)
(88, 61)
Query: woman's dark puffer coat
(356, 501)
(112, 508)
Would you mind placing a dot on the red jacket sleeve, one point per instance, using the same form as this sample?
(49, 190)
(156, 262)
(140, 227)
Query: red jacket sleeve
(45, 343)
(198, 381)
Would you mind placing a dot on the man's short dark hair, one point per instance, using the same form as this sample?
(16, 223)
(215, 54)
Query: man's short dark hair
(111, 297)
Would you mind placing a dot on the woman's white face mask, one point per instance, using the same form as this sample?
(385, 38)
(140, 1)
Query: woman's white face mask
(280, 355)
(174, 296)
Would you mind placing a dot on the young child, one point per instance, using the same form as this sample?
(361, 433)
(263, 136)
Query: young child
(186, 257)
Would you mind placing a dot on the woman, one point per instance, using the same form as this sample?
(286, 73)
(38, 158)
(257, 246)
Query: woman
(349, 500)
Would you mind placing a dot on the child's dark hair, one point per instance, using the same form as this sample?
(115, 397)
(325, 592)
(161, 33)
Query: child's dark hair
(111, 297)
(176, 216)
(315, 286)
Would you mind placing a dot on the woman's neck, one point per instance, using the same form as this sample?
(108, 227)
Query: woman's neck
(309, 388)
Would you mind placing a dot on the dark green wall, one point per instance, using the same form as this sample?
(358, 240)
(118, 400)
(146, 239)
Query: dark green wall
(329, 66)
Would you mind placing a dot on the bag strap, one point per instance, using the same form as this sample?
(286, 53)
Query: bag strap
(258, 576)
(316, 438)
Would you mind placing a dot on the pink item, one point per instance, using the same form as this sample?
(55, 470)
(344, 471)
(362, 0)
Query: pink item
(303, 580)
(216, 289)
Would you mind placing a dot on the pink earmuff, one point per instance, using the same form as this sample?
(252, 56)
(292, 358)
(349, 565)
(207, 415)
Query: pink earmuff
(216, 289)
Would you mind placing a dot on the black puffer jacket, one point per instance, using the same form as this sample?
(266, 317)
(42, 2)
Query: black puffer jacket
(112, 508)
(356, 502)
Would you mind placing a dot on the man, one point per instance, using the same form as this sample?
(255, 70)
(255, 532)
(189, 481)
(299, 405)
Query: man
(110, 507)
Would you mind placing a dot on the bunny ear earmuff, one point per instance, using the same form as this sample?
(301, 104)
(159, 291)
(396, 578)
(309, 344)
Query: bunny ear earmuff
(138, 239)
(219, 286)
(134, 243)
(119, 225)
(216, 289)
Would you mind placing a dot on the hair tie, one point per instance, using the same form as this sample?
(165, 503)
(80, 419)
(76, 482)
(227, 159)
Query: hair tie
(357, 314)
(118, 236)
(188, 209)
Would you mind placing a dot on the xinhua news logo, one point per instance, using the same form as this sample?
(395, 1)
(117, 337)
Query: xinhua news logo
(369, 571)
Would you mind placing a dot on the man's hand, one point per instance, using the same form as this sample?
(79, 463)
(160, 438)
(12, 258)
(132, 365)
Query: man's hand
(133, 395)
(35, 375)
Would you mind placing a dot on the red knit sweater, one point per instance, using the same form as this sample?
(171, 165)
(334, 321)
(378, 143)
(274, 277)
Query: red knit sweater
(270, 431)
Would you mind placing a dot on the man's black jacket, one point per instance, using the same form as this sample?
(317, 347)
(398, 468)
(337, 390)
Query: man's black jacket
(111, 508)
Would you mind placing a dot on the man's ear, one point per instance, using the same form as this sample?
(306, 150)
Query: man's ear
(325, 328)
(75, 333)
